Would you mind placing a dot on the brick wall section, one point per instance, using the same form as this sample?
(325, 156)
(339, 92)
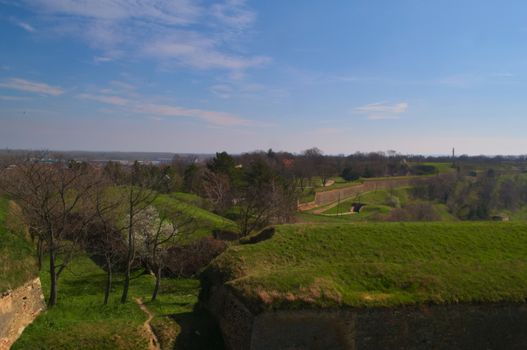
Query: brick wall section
(463, 326)
(18, 308)
(234, 319)
(423, 327)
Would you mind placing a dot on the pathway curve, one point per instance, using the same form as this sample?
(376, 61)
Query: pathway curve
(153, 343)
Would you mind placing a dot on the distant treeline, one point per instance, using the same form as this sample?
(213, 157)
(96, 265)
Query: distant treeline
(471, 195)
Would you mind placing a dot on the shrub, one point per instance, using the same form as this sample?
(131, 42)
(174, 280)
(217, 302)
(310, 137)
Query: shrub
(419, 211)
(187, 260)
(350, 174)
(423, 169)
(393, 201)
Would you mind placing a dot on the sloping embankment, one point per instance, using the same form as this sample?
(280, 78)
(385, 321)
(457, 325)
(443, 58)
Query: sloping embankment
(18, 308)
(374, 286)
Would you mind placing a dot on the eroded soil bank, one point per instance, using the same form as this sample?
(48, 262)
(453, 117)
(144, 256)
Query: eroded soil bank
(460, 326)
(18, 308)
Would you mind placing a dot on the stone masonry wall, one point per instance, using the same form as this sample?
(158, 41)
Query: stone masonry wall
(18, 308)
(234, 319)
(464, 326)
(424, 327)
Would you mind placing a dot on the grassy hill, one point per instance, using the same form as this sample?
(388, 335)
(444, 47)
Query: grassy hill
(379, 264)
(17, 260)
(206, 220)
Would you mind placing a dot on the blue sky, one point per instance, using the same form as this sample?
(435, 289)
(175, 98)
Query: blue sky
(201, 76)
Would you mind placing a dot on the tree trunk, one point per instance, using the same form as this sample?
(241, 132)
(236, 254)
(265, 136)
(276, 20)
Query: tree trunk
(53, 277)
(40, 252)
(108, 280)
(158, 283)
(130, 256)
(126, 285)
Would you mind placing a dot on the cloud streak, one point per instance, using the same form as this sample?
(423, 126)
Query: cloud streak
(112, 100)
(197, 51)
(26, 26)
(213, 117)
(382, 110)
(173, 12)
(31, 86)
(158, 111)
(186, 33)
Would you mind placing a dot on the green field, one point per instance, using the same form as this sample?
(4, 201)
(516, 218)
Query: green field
(376, 201)
(18, 263)
(378, 205)
(189, 198)
(379, 264)
(80, 321)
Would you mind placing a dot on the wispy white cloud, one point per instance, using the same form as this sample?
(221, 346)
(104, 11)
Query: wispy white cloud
(382, 110)
(188, 33)
(195, 50)
(222, 90)
(173, 12)
(112, 100)
(383, 117)
(102, 59)
(472, 80)
(24, 25)
(11, 98)
(247, 90)
(213, 117)
(160, 111)
(31, 86)
(233, 13)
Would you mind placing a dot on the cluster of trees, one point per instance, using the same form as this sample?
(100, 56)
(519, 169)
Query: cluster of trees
(70, 207)
(254, 189)
(475, 195)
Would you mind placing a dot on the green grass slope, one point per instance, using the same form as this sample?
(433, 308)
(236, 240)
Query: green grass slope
(81, 321)
(17, 261)
(379, 264)
(206, 221)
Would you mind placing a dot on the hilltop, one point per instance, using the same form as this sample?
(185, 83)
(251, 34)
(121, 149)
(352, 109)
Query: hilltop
(378, 264)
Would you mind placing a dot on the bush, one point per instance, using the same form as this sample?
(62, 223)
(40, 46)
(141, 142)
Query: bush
(423, 169)
(187, 260)
(419, 211)
(393, 201)
(350, 174)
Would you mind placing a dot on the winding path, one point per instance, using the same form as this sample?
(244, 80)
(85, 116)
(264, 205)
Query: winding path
(153, 343)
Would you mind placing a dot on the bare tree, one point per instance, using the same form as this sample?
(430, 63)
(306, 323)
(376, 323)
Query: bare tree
(218, 190)
(265, 197)
(54, 204)
(105, 238)
(139, 196)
